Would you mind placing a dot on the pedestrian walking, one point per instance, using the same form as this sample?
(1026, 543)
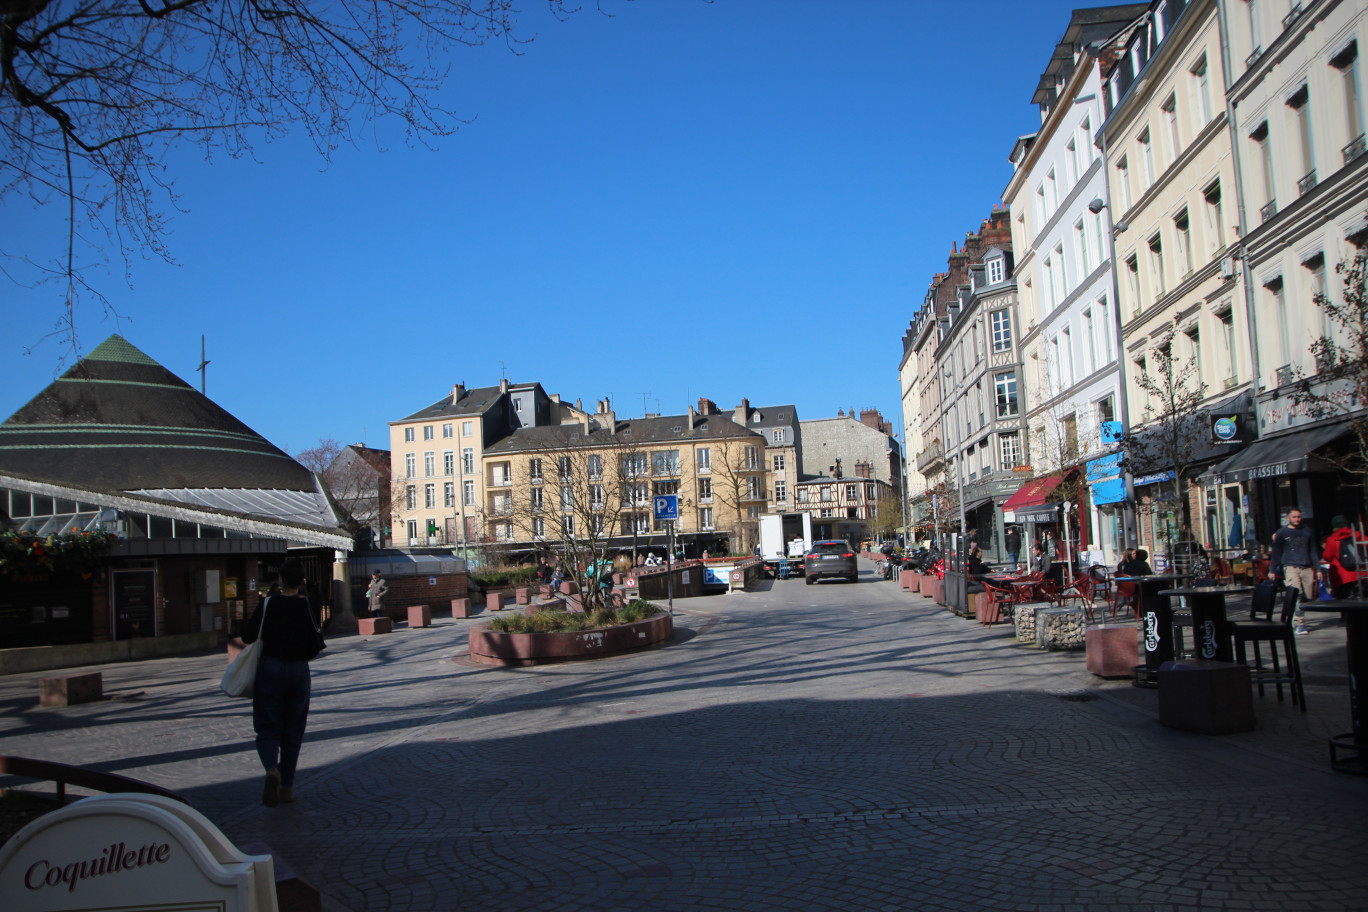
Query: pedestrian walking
(1012, 541)
(376, 593)
(284, 623)
(1341, 553)
(1292, 559)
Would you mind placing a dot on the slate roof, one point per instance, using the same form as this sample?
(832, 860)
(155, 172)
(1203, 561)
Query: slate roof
(632, 432)
(119, 421)
(769, 416)
(475, 402)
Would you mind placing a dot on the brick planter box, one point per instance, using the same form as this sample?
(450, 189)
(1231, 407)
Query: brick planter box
(1113, 649)
(925, 584)
(938, 591)
(460, 608)
(909, 579)
(419, 616)
(374, 626)
(492, 648)
(68, 690)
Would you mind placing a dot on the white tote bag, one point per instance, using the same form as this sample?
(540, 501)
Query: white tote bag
(240, 676)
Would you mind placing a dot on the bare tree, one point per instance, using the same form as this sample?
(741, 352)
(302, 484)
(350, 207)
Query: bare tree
(96, 93)
(1174, 432)
(575, 505)
(738, 481)
(1340, 387)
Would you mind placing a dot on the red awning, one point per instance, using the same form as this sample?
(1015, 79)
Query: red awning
(1033, 492)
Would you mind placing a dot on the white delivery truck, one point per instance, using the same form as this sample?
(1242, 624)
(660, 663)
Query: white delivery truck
(785, 536)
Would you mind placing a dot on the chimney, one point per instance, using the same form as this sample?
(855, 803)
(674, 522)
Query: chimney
(555, 397)
(691, 418)
(457, 392)
(579, 405)
(742, 414)
(503, 384)
(706, 406)
(871, 418)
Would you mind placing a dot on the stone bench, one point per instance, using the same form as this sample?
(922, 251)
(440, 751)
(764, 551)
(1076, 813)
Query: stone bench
(419, 616)
(522, 595)
(1205, 696)
(494, 601)
(69, 690)
(460, 607)
(374, 626)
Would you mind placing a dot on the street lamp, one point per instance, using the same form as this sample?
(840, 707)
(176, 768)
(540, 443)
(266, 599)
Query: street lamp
(959, 469)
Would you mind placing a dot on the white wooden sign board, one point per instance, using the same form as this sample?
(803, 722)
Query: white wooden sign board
(121, 852)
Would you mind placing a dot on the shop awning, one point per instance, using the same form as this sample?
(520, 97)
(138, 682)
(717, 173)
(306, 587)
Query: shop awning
(1032, 493)
(1274, 457)
(975, 504)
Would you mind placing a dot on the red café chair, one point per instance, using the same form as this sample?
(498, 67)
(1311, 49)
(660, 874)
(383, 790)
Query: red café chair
(1127, 592)
(1080, 590)
(1001, 603)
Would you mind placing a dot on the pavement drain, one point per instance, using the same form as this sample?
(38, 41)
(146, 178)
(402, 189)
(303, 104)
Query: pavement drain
(1074, 696)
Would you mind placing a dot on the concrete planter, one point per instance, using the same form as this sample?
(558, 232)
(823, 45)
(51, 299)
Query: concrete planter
(374, 626)
(909, 579)
(938, 591)
(1112, 649)
(493, 648)
(926, 585)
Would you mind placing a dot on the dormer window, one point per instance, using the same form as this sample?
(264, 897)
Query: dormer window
(996, 270)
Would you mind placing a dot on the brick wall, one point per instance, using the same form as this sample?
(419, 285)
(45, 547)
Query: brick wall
(416, 590)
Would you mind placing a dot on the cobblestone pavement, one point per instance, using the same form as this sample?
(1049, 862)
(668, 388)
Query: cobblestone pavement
(832, 747)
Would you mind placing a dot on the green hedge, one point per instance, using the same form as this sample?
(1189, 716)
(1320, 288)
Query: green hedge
(502, 579)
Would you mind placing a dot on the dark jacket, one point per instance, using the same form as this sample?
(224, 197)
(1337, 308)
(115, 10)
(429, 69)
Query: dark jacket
(1137, 567)
(1292, 548)
(290, 634)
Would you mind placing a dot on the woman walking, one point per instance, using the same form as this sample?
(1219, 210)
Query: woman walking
(280, 697)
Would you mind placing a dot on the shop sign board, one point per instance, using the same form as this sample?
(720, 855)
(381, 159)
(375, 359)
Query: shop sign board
(1334, 398)
(129, 851)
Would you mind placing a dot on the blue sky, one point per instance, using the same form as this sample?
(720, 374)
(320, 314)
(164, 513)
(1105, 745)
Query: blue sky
(683, 199)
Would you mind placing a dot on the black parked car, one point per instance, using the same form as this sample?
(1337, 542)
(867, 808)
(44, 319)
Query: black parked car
(830, 559)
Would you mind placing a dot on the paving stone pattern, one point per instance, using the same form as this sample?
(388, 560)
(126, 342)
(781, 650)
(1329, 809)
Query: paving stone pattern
(829, 747)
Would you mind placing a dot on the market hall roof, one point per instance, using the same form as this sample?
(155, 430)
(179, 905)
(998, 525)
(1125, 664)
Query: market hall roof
(118, 421)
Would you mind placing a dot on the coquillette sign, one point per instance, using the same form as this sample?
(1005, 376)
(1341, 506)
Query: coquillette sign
(117, 853)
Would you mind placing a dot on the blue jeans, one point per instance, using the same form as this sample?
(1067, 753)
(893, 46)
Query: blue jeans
(1014, 557)
(280, 708)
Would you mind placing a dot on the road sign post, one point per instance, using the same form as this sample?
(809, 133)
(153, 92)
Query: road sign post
(667, 511)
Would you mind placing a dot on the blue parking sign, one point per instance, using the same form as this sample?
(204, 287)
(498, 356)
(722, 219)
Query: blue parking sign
(666, 506)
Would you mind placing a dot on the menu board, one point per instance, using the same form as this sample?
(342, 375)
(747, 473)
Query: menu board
(135, 603)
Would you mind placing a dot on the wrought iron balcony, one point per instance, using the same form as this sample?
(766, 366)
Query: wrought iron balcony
(1253, 57)
(1307, 184)
(1355, 149)
(1292, 15)
(1268, 210)
(1286, 374)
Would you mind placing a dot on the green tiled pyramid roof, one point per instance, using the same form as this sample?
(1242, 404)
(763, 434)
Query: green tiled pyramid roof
(119, 421)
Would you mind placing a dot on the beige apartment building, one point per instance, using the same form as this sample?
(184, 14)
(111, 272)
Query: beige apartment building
(512, 468)
(1171, 173)
(1296, 100)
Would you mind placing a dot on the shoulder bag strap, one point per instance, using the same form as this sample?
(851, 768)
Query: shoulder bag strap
(262, 629)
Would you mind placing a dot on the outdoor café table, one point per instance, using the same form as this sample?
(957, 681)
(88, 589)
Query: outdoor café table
(1210, 627)
(1355, 613)
(1157, 616)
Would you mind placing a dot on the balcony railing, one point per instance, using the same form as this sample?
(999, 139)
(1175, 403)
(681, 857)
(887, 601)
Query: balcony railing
(1268, 210)
(1307, 184)
(501, 482)
(1292, 15)
(929, 455)
(1286, 374)
(1253, 57)
(1355, 149)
